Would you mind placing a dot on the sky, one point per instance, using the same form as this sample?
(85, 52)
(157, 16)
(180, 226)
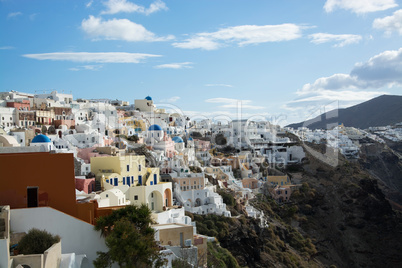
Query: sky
(283, 61)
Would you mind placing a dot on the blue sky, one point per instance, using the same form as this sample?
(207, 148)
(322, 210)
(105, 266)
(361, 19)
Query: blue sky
(279, 60)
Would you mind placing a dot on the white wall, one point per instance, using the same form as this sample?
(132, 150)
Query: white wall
(4, 253)
(76, 236)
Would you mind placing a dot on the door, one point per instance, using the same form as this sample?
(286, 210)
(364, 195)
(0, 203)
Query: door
(32, 197)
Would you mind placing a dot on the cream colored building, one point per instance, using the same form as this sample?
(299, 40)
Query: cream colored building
(144, 183)
(144, 105)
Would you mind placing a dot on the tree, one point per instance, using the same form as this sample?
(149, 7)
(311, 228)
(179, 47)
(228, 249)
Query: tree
(129, 237)
(37, 241)
(220, 139)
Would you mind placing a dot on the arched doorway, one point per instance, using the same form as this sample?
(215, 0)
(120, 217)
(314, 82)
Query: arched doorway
(167, 198)
(155, 201)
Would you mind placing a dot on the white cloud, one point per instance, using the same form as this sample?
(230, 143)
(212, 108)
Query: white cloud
(218, 85)
(117, 6)
(171, 100)
(363, 82)
(33, 16)
(242, 35)
(229, 103)
(390, 24)
(179, 65)
(6, 47)
(89, 4)
(340, 39)
(118, 29)
(101, 57)
(87, 67)
(382, 70)
(226, 116)
(359, 6)
(14, 14)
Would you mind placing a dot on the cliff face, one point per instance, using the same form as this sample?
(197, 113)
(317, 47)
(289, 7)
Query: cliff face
(350, 221)
(340, 216)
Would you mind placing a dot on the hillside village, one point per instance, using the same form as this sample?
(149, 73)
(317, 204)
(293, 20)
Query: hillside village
(73, 161)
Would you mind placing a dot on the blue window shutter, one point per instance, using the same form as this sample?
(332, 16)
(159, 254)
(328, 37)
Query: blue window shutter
(155, 178)
(116, 182)
(140, 179)
(124, 180)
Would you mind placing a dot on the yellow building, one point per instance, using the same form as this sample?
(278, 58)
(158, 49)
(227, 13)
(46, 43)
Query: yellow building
(144, 183)
(278, 180)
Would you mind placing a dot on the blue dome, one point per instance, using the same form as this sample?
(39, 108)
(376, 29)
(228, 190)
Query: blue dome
(190, 139)
(148, 98)
(40, 138)
(155, 128)
(177, 139)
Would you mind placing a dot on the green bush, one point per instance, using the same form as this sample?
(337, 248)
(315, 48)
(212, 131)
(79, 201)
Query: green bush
(37, 241)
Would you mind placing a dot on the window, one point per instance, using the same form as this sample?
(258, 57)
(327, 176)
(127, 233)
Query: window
(140, 179)
(116, 182)
(107, 181)
(139, 167)
(124, 180)
(132, 179)
(155, 179)
(128, 168)
(135, 197)
(107, 195)
(152, 183)
(184, 182)
(152, 195)
(195, 182)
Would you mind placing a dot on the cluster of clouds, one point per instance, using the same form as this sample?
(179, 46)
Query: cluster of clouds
(381, 71)
(118, 6)
(100, 28)
(119, 29)
(100, 57)
(366, 80)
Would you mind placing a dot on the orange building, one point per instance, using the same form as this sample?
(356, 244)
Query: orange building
(42, 179)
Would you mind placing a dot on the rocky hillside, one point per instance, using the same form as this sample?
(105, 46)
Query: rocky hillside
(381, 111)
(340, 217)
(348, 217)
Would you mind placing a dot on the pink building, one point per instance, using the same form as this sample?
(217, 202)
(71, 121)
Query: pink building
(250, 183)
(281, 194)
(20, 105)
(202, 145)
(86, 185)
(166, 145)
(195, 181)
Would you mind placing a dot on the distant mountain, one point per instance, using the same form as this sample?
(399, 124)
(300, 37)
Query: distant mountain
(381, 111)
